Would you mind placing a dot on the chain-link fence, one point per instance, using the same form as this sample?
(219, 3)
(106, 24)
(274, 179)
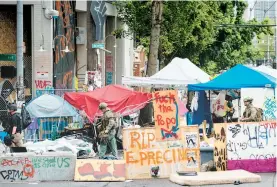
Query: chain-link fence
(52, 91)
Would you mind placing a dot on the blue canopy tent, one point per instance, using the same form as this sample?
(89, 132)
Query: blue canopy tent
(237, 77)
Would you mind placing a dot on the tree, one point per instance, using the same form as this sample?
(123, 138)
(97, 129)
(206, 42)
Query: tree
(156, 19)
(189, 29)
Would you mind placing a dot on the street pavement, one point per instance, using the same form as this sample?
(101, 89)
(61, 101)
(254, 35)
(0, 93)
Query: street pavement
(268, 180)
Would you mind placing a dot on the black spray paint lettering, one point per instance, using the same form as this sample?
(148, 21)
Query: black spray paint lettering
(220, 162)
(13, 175)
(235, 130)
(235, 146)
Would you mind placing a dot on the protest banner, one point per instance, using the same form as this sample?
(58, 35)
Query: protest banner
(147, 158)
(166, 115)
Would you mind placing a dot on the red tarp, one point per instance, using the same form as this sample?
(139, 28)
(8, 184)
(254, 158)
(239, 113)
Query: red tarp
(118, 98)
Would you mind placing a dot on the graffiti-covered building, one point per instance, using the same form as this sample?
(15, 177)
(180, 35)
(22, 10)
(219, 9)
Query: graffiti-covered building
(96, 22)
(60, 45)
(37, 49)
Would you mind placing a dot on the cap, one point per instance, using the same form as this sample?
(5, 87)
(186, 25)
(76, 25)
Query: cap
(12, 107)
(248, 99)
(103, 106)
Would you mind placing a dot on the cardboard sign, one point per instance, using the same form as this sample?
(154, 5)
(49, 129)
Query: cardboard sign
(147, 158)
(99, 170)
(167, 122)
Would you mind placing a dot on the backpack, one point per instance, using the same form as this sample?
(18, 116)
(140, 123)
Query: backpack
(25, 118)
(259, 114)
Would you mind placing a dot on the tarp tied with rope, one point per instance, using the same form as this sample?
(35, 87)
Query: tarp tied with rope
(119, 99)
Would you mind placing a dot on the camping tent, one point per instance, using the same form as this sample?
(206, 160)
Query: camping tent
(237, 77)
(47, 106)
(180, 72)
(118, 98)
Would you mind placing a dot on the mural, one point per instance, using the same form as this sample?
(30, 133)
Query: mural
(64, 62)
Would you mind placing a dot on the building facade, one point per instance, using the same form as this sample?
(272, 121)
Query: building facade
(261, 10)
(116, 60)
(38, 64)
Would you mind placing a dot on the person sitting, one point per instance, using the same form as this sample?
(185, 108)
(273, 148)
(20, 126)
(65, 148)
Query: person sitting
(251, 113)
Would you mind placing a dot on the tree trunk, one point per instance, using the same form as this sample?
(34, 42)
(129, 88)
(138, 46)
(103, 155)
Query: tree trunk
(157, 9)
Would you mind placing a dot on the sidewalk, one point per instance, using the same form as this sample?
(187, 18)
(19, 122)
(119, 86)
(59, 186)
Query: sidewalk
(267, 181)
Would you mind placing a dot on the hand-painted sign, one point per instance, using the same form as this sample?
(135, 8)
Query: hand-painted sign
(109, 78)
(251, 146)
(146, 158)
(220, 153)
(100, 170)
(109, 69)
(166, 115)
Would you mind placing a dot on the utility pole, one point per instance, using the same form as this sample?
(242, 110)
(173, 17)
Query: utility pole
(19, 53)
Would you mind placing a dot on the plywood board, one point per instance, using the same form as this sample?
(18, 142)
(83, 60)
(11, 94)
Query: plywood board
(146, 158)
(100, 170)
(220, 152)
(252, 146)
(167, 121)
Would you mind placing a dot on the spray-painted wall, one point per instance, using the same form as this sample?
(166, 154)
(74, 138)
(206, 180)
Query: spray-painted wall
(64, 63)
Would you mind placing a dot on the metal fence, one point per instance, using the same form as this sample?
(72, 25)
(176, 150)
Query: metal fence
(52, 91)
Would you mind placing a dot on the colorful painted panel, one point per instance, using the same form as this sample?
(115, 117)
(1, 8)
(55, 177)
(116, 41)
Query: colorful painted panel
(166, 115)
(147, 158)
(252, 146)
(100, 170)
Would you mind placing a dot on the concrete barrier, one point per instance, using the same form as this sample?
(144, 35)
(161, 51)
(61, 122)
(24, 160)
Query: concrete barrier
(27, 167)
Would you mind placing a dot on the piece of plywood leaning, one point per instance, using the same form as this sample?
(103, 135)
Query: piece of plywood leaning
(220, 152)
(148, 158)
(100, 170)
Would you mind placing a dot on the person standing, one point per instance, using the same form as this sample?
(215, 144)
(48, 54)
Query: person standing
(14, 129)
(107, 131)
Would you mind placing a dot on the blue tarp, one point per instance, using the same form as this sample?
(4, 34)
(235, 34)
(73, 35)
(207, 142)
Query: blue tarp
(50, 106)
(237, 77)
(203, 111)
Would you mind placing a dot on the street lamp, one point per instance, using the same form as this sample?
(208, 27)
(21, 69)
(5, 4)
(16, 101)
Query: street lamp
(66, 50)
(114, 39)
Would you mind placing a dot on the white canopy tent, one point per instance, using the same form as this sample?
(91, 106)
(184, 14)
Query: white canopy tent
(267, 70)
(156, 83)
(178, 73)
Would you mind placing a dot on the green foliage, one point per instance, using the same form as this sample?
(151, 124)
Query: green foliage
(190, 30)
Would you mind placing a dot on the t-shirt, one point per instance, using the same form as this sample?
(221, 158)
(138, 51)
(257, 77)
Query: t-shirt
(15, 121)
